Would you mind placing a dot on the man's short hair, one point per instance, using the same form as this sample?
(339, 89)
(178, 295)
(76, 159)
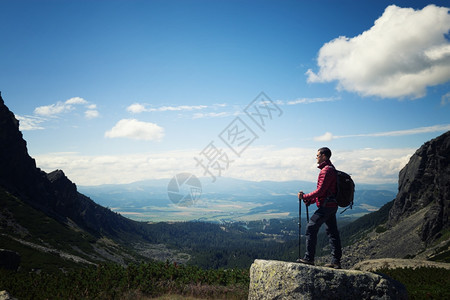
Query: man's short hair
(325, 151)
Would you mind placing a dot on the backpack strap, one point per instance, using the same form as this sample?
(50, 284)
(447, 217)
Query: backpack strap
(332, 197)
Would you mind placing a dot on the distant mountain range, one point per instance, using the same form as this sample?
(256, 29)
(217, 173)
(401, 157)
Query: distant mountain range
(225, 200)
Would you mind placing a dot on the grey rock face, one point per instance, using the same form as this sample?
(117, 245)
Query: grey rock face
(424, 182)
(285, 280)
(419, 217)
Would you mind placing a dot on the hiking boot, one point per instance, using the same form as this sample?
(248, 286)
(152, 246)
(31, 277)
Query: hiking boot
(305, 261)
(334, 266)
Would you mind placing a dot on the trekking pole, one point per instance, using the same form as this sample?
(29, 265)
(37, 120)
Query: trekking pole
(299, 227)
(307, 213)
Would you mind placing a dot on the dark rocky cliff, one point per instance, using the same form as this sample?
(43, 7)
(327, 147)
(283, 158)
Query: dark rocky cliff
(423, 182)
(18, 172)
(52, 193)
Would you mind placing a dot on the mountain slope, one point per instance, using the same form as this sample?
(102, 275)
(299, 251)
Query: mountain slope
(417, 225)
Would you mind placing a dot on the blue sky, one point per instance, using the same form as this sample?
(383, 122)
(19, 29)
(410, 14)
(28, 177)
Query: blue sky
(121, 91)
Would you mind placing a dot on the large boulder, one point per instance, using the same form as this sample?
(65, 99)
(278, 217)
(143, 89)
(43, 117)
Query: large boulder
(271, 279)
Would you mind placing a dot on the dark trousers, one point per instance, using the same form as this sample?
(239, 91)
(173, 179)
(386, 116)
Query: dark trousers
(325, 215)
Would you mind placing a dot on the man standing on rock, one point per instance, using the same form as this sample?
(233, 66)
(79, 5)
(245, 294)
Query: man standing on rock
(325, 199)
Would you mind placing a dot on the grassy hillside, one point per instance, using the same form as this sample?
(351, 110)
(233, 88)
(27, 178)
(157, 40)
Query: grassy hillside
(46, 244)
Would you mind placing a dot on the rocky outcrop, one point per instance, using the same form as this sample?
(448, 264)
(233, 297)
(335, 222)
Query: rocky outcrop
(400, 241)
(18, 172)
(284, 280)
(419, 217)
(424, 182)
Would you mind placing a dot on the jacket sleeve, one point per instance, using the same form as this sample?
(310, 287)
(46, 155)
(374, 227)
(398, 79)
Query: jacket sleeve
(324, 183)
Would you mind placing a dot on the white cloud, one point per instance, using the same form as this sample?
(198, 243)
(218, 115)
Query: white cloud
(137, 130)
(328, 136)
(211, 115)
(445, 99)
(374, 166)
(136, 108)
(115, 169)
(436, 128)
(29, 122)
(400, 56)
(67, 106)
(53, 109)
(76, 100)
(139, 108)
(258, 163)
(312, 100)
(179, 108)
(91, 114)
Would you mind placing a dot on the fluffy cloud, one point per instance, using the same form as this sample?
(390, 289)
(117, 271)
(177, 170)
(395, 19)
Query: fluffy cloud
(400, 56)
(137, 130)
(136, 108)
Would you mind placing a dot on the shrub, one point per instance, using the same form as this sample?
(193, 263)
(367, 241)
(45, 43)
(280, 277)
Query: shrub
(112, 281)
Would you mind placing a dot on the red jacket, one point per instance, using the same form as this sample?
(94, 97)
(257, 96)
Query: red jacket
(326, 185)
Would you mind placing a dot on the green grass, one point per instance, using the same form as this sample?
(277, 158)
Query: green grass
(36, 227)
(31, 259)
(42, 227)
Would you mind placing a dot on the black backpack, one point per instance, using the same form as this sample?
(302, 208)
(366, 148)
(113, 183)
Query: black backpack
(345, 190)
